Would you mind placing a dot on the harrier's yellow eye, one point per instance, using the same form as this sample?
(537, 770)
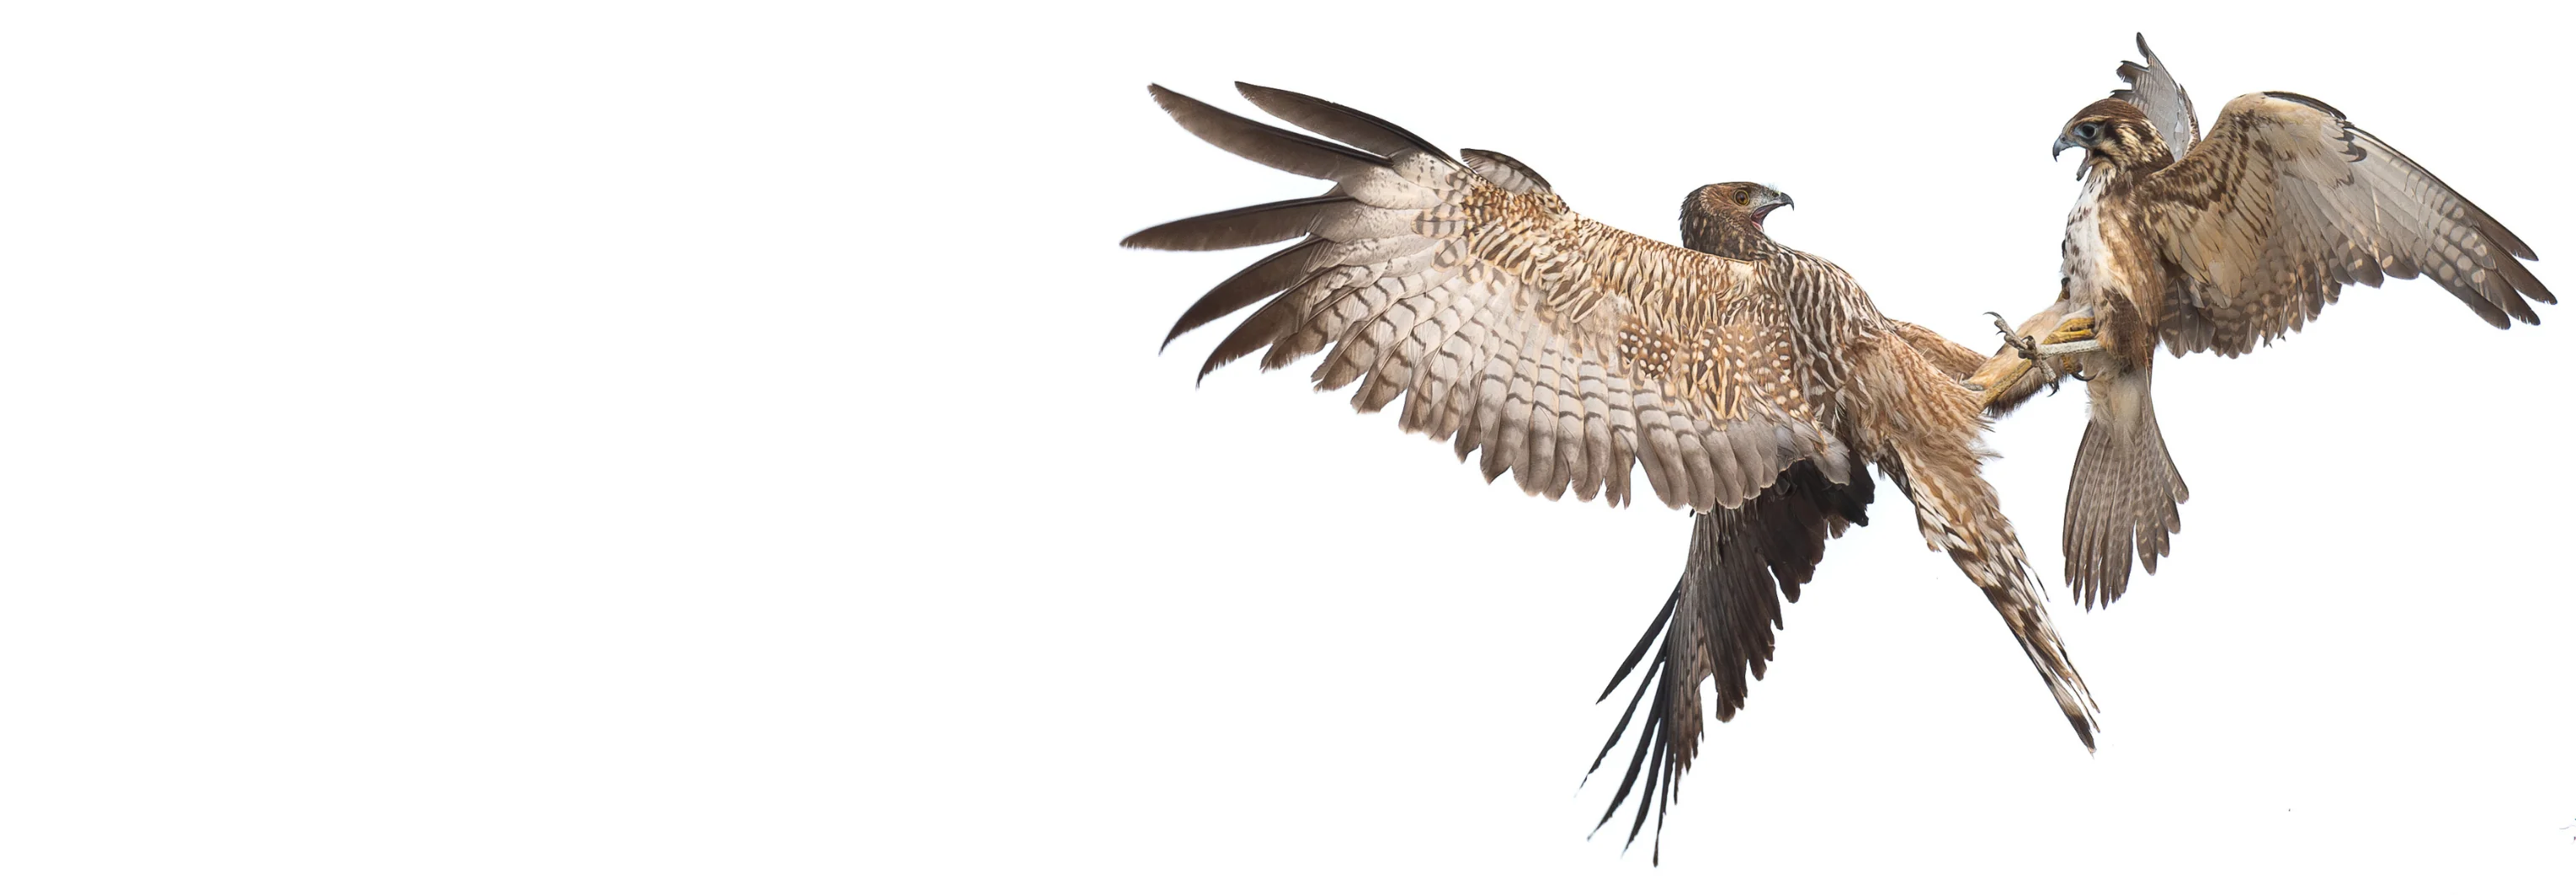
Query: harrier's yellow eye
(1743, 198)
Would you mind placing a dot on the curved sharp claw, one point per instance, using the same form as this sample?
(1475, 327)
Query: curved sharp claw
(2027, 345)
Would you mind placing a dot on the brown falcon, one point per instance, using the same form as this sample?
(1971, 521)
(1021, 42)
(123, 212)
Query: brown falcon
(2219, 243)
(1757, 389)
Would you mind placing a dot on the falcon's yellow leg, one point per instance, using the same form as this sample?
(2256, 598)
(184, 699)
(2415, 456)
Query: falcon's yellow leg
(2069, 332)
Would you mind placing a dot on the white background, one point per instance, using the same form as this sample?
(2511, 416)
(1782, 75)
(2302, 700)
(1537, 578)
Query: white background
(629, 447)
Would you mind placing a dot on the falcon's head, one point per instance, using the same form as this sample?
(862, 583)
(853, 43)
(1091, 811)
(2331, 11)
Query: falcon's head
(2115, 132)
(1726, 218)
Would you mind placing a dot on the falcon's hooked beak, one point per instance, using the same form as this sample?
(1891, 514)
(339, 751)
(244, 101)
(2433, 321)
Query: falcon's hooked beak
(2063, 144)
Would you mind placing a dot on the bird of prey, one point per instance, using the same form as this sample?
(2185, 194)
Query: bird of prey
(2219, 243)
(1757, 388)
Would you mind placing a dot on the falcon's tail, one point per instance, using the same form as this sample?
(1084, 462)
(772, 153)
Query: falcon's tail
(2125, 492)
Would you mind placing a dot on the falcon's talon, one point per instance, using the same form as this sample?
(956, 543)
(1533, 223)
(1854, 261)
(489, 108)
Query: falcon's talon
(2029, 347)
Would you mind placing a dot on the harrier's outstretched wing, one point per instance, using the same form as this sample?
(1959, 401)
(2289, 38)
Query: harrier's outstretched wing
(2285, 202)
(1562, 349)
(2153, 90)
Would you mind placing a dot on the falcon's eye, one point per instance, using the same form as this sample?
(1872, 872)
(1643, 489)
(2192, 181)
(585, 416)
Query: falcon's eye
(2086, 131)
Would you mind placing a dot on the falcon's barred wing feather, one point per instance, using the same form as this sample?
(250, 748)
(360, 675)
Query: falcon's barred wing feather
(2285, 202)
(1718, 624)
(1562, 349)
(2153, 90)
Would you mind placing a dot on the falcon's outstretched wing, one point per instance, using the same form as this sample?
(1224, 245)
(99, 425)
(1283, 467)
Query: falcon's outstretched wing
(2285, 202)
(1563, 349)
(1718, 624)
(2153, 90)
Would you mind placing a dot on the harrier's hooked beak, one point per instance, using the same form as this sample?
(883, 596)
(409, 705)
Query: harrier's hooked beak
(1778, 200)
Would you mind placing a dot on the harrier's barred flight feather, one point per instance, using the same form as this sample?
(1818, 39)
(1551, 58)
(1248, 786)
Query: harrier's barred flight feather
(2221, 244)
(1754, 383)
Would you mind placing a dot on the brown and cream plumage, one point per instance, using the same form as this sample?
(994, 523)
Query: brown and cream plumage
(1755, 384)
(2220, 243)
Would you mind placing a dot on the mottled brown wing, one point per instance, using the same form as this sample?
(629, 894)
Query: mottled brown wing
(2154, 91)
(1562, 349)
(1718, 623)
(2285, 202)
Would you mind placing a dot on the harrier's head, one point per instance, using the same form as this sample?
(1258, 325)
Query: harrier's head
(1726, 218)
(2115, 132)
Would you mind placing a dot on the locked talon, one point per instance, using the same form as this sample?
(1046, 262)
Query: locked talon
(2029, 347)
(2026, 345)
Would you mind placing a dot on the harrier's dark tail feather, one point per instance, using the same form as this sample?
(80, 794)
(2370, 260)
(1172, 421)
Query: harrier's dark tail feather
(1716, 626)
(1643, 643)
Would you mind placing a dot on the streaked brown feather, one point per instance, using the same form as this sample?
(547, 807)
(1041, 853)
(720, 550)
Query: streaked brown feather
(1506, 172)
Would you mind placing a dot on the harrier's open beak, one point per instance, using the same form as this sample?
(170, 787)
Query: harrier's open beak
(2063, 144)
(1778, 201)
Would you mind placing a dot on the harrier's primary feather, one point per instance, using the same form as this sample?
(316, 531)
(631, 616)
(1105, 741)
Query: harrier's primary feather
(1752, 383)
